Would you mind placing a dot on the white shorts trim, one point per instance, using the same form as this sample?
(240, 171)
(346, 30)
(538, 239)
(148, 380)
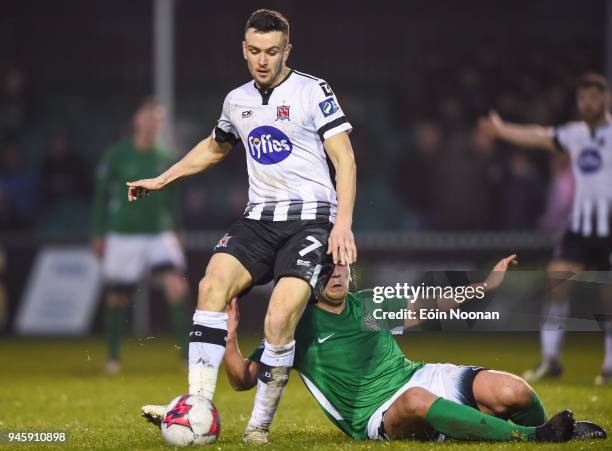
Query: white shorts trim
(442, 379)
(127, 256)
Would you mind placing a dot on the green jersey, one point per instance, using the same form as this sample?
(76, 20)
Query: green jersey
(351, 371)
(112, 212)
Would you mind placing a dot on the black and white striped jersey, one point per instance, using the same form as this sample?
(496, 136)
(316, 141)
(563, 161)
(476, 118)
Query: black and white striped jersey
(591, 155)
(283, 130)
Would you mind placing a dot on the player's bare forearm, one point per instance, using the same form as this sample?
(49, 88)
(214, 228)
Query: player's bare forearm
(241, 372)
(341, 154)
(530, 136)
(205, 154)
(342, 243)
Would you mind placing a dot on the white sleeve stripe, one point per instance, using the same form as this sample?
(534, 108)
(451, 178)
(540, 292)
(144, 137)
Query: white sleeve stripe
(330, 125)
(346, 127)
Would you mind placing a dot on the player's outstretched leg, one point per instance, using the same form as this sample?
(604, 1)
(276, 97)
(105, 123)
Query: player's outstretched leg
(225, 278)
(605, 377)
(507, 396)
(556, 311)
(417, 406)
(284, 311)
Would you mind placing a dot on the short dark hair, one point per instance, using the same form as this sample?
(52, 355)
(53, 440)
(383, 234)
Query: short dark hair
(593, 80)
(266, 20)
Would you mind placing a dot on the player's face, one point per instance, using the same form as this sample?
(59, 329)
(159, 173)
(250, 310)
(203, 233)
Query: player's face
(149, 120)
(592, 104)
(266, 55)
(337, 285)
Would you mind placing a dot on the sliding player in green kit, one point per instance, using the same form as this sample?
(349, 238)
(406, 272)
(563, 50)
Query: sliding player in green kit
(368, 388)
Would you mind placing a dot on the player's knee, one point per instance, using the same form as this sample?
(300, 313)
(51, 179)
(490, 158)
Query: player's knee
(416, 402)
(523, 393)
(512, 393)
(213, 292)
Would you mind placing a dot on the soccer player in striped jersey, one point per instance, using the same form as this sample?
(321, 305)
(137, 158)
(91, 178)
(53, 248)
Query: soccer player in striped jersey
(288, 122)
(370, 390)
(587, 244)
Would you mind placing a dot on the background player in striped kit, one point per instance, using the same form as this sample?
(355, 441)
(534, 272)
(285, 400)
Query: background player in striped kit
(287, 122)
(587, 244)
(132, 240)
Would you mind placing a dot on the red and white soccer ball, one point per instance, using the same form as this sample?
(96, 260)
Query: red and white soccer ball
(190, 420)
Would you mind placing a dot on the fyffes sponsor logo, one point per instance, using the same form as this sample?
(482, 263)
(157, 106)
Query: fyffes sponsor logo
(589, 161)
(269, 145)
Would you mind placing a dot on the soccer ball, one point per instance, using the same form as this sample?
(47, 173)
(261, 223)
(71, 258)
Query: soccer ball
(190, 420)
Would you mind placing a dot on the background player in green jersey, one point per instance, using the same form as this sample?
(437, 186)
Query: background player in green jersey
(369, 389)
(132, 240)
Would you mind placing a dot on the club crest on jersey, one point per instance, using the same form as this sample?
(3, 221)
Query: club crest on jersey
(328, 107)
(223, 241)
(589, 161)
(282, 113)
(268, 145)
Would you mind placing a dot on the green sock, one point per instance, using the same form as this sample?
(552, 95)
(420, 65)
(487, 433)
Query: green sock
(114, 322)
(178, 319)
(533, 414)
(466, 423)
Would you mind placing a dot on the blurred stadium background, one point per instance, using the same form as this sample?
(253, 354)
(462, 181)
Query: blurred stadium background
(413, 77)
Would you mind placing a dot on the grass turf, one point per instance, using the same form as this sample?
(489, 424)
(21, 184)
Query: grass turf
(57, 385)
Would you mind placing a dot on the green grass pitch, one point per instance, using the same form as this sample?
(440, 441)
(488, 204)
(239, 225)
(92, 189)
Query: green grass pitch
(57, 385)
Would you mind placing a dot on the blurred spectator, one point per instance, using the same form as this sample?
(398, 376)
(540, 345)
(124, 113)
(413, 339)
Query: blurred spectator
(412, 181)
(67, 177)
(13, 104)
(524, 194)
(18, 189)
(461, 189)
(215, 204)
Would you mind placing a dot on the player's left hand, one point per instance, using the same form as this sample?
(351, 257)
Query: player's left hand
(342, 245)
(497, 275)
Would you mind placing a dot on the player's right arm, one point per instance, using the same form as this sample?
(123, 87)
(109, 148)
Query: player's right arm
(493, 281)
(533, 136)
(241, 372)
(205, 154)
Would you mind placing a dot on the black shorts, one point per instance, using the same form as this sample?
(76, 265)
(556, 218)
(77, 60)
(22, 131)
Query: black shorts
(594, 252)
(270, 250)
